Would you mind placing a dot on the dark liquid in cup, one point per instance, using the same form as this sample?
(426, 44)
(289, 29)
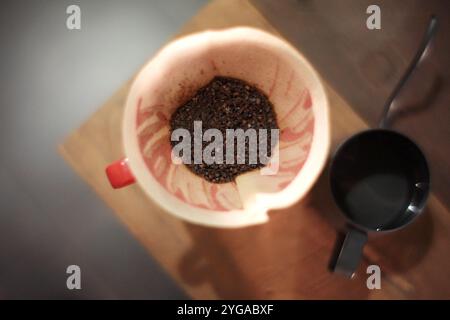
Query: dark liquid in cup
(374, 179)
(375, 200)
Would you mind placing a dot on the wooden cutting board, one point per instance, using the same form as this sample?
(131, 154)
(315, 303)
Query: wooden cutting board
(285, 258)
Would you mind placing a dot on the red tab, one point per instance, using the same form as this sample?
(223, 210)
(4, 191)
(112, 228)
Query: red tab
(119, 174)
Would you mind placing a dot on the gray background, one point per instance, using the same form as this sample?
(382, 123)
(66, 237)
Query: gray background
(52, 79)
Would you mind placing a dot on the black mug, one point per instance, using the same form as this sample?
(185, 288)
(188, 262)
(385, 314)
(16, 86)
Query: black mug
(379, 179)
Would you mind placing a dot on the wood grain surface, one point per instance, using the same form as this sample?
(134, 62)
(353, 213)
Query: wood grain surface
(285, 258)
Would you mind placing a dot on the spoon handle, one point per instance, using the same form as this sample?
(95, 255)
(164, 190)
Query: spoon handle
(431, 30)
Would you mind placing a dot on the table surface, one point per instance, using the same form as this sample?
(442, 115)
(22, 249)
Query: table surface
(286, 258)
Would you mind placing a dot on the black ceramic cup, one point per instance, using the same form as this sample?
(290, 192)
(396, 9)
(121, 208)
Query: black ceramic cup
(379, 179)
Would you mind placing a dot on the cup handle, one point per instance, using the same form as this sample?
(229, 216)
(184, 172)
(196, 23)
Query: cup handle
(350, 252)
(119, 174)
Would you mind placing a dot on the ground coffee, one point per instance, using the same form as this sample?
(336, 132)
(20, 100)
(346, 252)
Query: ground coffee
(226, 103)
